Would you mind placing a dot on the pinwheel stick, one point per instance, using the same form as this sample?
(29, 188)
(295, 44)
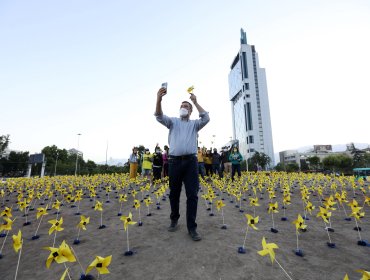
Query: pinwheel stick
(69, 276)
(101, 218)
(2, 246)
(245, 237)
(272, 216)
(78, 234)
(345, 212)
(26, 214)
(120, 208)
(38, 226)
(223, 218)
(19, 258)
(55, 236)
(327, 231)
(148, 209)
(358, 229)
(286, 273)
(74, 252)
(128, 243)
(296, 232)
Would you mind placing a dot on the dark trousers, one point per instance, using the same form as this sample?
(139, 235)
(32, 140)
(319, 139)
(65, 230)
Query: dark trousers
(165, 169)
(235, 167)
(184, 171)
(217, 169)
(201, 169)
(157, 173)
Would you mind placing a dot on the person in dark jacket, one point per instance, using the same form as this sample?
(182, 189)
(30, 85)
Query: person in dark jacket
(157, 163)
(216, 161)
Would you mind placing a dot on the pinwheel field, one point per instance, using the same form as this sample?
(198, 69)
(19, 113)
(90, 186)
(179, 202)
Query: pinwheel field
(110, 228)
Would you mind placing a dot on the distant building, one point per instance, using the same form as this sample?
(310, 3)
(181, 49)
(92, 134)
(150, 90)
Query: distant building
(321, 151)
(249, 103)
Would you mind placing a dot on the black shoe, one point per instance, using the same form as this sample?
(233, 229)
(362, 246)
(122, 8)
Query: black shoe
(194, 235)
(173, 226)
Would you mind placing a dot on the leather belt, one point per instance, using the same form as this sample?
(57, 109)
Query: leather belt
(184, 157)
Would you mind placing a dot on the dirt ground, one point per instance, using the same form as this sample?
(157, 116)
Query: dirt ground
(159, 254)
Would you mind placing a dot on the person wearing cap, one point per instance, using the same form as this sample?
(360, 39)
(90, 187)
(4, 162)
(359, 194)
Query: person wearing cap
(183, 164)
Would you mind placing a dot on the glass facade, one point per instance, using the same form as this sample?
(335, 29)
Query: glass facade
(250, 108)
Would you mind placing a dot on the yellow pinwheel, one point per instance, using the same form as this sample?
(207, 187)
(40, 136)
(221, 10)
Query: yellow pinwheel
(56, 204)
(55, 225)
(127, 220)
(98, 206)
(365, 274)
(100, 264)
(309, 207)
(268, 249)
(190, 89)
(7, 225)
(42, 212)
(83, 222)
(136, 203)
(299, 223)
(122, 198)
(353, 204)
(60, 255)
(357, 214)
(346, 277)
(17, 241)
(273, 207)
(324, 214)
(7, 212)
(148, 201)
(219, 204)
(253, 201)
(252, 221)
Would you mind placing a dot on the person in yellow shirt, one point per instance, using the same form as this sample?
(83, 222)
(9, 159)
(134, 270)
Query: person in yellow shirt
(208, 162)
(147, 164)
(201, 169)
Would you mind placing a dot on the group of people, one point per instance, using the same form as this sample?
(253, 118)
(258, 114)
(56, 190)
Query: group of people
(210, 163)
(155, 163)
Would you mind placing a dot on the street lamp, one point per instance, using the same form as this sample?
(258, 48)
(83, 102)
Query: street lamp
(78, 146)
(56, 162)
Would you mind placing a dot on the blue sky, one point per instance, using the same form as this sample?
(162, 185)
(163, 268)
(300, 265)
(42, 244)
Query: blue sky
(94, 67)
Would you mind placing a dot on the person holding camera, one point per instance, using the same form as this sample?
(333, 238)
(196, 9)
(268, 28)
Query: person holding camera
(183, 164)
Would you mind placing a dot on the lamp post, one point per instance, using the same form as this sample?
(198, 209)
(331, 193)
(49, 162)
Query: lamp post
(56, 162)
(78, 145)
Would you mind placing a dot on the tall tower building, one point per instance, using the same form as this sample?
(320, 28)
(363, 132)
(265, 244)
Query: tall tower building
(250, 103)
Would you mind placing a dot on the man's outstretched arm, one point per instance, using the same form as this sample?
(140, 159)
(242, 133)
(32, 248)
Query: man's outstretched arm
(158, 107)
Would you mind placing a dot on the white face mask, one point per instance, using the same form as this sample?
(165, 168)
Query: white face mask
(183, 112)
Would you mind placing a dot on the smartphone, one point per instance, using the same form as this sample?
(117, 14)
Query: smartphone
(164, 85)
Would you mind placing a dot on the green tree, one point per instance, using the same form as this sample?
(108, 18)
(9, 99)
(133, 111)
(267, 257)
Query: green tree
(292, 167)
(314, 162)
(258, 159)
(338, 163)
(279, 167)
(15, 165)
